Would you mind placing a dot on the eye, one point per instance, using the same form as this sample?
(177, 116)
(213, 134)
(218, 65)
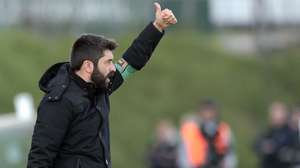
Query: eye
(110, 61)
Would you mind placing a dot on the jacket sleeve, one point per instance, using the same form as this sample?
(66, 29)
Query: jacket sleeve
(140, 51)
(51, 125)
(137, 55)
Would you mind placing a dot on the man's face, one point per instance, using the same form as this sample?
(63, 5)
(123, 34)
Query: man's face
(208, 114)
(209, 123)
(278, 114)
(104, 70)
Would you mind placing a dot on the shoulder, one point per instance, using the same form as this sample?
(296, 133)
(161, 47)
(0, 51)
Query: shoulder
(52, 102)
(63, 96)
(224, 128)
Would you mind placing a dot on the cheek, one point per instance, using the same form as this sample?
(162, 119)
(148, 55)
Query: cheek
(101, 69)
(104, 71)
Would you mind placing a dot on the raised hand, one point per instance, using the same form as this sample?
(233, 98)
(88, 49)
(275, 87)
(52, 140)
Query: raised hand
(163, 18)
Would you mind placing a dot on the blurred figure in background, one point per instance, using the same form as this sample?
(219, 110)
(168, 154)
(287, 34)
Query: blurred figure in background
(207, 142)
(291, 153)
(163, 152)
(271, 145)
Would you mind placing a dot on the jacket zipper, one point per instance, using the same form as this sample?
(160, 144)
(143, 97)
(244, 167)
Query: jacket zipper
(99, 133)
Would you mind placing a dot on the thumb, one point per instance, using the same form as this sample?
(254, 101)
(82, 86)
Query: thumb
(157, 8)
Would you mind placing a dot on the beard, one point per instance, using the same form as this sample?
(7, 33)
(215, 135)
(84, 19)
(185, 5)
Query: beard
(101, 81)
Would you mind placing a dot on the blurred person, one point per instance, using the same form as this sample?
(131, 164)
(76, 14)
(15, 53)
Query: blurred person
(163, 152)
(271, 145)
(207, 142)
(294, 125)
(291, 152)
(72, 126)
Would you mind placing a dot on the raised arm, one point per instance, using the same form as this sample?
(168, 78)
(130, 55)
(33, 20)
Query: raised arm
(140, 51)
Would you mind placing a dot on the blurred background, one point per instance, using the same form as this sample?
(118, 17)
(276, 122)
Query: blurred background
(243, 54)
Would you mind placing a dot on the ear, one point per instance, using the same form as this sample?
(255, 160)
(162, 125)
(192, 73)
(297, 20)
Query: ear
(88, 66)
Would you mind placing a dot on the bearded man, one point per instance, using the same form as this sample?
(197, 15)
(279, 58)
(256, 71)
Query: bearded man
(72, 128)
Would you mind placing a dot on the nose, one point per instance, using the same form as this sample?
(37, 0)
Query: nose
(113, 68)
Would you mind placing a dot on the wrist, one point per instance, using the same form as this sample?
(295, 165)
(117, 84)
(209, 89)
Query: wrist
(159, 26)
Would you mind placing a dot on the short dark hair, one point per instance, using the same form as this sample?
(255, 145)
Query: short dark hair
(208, 104)
(89, 47)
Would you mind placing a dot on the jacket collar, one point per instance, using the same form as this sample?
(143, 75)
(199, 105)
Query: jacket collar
(88, 87)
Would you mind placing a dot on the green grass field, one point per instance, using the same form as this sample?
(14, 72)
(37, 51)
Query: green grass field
(186, 67)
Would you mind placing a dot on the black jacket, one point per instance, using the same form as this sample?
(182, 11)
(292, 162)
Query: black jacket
(72, 128)
(277, 140)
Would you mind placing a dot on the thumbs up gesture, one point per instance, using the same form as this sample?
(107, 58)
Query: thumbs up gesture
(163, 18)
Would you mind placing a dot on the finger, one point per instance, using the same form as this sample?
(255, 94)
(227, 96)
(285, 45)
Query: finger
(170, 20)
(157, 7)
(167, 13)
(164, 15)
(168, 17)
(174, 19)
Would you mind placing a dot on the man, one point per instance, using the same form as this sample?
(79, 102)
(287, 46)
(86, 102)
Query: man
(163, 151)
(271, 144)
(72, 128)
(291, 152)
(207, 142)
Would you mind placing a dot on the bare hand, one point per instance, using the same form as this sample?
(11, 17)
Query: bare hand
(163, 18)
